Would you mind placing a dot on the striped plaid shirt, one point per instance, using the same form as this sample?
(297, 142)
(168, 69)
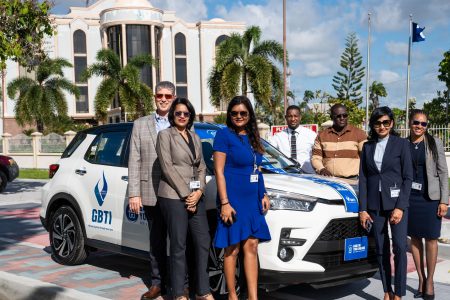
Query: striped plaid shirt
(338, 152)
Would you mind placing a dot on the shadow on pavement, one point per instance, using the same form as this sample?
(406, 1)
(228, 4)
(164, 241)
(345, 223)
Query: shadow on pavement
(19, 186)
(18, 224)
(126, 266)
(306, 292)
(45, 293)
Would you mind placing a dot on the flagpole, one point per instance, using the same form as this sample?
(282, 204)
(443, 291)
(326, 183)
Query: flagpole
(284, 56)
(407, 74)
(368, 74)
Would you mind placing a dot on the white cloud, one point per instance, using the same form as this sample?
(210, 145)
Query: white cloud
(397, 48)
(316, 69)
(387, 77)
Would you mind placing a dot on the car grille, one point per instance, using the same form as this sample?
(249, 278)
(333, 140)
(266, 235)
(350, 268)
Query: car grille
(332, 240)
(336, 259)
(339, 229)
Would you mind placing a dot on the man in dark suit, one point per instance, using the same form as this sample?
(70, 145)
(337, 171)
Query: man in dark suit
(144, 174)
(385, 179)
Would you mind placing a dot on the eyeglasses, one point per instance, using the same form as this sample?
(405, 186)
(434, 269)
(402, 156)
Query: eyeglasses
(341, 116)
(167, 96)
(385, 123)
(416, 122)
(185, 114)
(243, 114)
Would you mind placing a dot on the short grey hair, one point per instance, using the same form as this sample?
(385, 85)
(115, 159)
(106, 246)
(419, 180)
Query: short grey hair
(165, 85)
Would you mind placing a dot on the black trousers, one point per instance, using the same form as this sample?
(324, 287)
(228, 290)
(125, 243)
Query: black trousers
(158, 246)
(383, 249)
(178, 221)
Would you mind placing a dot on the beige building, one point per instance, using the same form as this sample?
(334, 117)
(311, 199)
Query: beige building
(185, 52)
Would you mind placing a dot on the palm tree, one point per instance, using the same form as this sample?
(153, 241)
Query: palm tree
(134, 95)
(376, 90)
(42, 100)
(242, 61)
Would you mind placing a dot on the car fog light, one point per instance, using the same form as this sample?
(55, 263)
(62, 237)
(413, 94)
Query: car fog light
(286, 254)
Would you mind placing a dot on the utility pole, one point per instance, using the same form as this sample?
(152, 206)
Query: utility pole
(368, 74)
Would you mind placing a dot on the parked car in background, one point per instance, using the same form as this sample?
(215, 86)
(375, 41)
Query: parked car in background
(9, 170)
(316, 239)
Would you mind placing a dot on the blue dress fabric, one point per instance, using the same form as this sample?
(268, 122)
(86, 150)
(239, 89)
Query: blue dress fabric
(423, 221)
(244, 196)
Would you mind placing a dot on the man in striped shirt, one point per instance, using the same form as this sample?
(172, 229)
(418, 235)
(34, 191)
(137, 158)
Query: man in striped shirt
(336, 149)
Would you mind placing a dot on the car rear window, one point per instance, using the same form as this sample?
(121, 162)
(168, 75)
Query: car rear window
(77, 140)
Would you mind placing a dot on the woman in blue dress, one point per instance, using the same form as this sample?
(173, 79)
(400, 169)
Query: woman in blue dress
(242, 198)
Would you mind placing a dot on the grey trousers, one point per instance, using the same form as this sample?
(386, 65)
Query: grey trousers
(178, 221)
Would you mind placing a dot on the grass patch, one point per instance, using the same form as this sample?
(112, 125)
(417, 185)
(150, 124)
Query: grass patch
(33, 173)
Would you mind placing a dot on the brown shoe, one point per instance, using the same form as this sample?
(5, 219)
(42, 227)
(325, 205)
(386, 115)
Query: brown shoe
(153, 293)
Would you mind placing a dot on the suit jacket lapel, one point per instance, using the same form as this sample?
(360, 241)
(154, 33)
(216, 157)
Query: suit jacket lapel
(151, 124)
(181, 142)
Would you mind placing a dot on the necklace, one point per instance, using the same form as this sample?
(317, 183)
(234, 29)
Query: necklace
(416, 145)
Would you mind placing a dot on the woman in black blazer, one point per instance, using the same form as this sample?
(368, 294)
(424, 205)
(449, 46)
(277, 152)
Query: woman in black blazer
(385, 178)
(428, 201)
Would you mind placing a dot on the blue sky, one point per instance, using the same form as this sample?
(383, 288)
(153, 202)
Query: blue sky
(317, 32)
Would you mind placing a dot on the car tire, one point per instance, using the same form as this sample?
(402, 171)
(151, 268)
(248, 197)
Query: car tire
(216, 273)
(3, 181)
(67, 239)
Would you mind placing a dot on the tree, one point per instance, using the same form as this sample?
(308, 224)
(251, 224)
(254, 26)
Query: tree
(444, 75)
(315, 115)
(134, 95)
(242, 61)
(23, 26)
(436, 109)
(376, 90)
(42, 100)
(347, 83)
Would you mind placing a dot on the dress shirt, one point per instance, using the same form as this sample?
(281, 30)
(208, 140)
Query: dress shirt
(379, 153)
(161, 122)
(305, 142)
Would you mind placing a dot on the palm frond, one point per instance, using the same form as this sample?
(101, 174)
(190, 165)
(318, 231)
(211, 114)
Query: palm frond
(105, 95)
(229, 84)
(252, 34)
(19, 86)
(270, 49)
(142, 60)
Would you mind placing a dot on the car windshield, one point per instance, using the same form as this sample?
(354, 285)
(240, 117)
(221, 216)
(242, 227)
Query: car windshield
(273, 160)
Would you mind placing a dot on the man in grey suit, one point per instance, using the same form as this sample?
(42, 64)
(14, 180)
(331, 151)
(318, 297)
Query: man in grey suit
(144, 174)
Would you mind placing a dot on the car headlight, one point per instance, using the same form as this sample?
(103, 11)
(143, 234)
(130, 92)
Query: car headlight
(281, 200)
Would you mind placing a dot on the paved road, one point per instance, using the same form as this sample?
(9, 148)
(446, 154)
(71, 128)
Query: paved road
(25, 259)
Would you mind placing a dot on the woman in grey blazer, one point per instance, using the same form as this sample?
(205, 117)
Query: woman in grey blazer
(428, 200)
(180, 196)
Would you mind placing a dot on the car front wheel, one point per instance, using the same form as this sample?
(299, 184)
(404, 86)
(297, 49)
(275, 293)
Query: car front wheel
(216, 272)
(66, 237)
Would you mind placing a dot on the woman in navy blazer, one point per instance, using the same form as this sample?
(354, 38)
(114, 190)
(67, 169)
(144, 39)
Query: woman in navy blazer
(385, 178)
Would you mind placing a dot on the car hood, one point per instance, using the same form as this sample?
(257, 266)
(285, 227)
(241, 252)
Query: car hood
(306, 184)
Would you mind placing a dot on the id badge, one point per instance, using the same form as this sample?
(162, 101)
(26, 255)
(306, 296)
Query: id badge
(395, 192)
(416, 186)
(194, 184)
(254, 178)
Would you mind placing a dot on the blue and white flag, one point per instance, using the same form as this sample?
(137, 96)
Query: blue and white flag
(417, 34)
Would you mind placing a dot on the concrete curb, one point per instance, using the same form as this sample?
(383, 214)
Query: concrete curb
(23, 288)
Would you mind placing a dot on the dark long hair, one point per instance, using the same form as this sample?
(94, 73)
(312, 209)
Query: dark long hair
(251, 128)
(376, 114)
(430, 139)
(190, 108)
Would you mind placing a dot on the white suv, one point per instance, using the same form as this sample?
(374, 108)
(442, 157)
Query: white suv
(314, 238)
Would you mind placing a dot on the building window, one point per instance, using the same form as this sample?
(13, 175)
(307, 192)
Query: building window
(114, 34)
(139, 42)
(80, 64)
(181, 65)
(223, 103)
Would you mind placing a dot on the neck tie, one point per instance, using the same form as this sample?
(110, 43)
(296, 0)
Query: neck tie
(293, 145)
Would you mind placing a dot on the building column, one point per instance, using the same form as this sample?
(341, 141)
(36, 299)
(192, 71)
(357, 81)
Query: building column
(153, 53)
(124, 43)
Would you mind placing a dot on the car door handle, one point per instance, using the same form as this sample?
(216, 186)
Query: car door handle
(80, 171)
(124, 178)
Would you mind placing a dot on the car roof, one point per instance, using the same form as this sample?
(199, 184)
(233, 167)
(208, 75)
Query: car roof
(129, 125)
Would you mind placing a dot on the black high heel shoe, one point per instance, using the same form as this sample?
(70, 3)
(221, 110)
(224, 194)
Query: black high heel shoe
(428, 296)
(419, 294)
